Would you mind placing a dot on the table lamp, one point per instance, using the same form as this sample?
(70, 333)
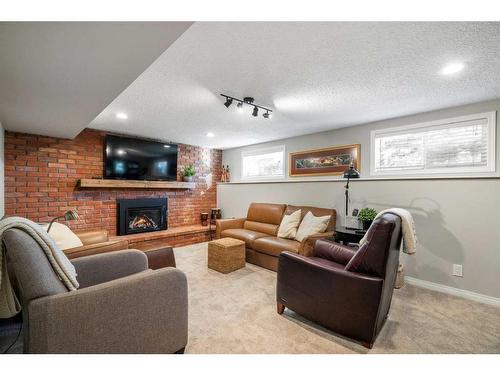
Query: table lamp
(68, 215)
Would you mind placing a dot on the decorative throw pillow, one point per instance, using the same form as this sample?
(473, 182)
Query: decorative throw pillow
(311, 225)
(63, 236)
(289, 225)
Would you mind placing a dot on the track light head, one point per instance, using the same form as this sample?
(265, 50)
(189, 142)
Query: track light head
(228, 102)
(247, 100)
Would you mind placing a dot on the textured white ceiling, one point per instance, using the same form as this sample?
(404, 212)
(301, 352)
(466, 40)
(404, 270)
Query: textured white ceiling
(317, 76)
(55, 77)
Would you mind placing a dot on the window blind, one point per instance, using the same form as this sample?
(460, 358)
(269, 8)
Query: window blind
(267, 163)
(446, 147)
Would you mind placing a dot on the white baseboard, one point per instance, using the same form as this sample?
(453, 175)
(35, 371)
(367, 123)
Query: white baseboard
(454, 291)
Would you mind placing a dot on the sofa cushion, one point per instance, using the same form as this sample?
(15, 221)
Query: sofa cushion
(249, 236)
(64, 237)
(269, 213)
(316, 211)
(289, 225)
(269, 229)
(312, 225)
(275, 245)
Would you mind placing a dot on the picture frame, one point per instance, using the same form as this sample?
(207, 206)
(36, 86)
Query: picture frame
(328, 161)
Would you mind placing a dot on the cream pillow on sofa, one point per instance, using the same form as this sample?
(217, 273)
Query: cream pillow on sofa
(311, 225)
(63, 236)
(289, 225)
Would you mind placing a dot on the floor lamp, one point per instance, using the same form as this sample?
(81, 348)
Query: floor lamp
(350, 173)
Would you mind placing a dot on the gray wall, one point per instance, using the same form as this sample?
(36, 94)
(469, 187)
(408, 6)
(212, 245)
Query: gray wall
(2, 180)
(457, 219)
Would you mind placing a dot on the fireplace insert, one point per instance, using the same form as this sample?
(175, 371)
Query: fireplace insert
(141, 215)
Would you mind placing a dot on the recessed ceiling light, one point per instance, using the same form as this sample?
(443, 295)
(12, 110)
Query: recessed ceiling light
(210, 135)
(452, 68)
(121, 116)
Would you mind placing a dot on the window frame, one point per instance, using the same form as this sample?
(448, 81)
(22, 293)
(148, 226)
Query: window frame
(262, 151)
(490, 167)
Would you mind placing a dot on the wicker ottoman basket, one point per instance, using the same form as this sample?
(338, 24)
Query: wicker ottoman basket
(226, 255)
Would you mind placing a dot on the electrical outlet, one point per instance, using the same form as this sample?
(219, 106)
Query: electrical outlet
(458, 270)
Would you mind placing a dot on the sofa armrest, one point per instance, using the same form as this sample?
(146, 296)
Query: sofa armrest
(307, 244)
(93, 236)
(143, 313)
(333, 251)
(98, 248)
(223, 224)
(101, 268)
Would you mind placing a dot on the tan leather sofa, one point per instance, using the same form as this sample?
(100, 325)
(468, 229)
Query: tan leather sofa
(259, 231)
(95, 242)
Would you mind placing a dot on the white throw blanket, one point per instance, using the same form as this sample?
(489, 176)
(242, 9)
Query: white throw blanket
(409, 243)
(9, 304)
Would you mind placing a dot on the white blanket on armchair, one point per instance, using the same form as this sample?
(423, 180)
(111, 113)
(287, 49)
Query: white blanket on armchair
(9, 304)
(409, 243)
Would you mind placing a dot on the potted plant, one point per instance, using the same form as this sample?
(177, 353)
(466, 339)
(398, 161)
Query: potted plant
(366, 216)
(188, 172)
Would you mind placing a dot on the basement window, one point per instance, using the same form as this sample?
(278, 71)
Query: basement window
(262, 164)
(448, 147)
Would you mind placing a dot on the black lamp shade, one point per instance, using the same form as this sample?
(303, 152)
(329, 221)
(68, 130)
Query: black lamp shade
(351, 173)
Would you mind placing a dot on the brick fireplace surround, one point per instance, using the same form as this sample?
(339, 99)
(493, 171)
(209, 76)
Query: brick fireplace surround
(41, 176)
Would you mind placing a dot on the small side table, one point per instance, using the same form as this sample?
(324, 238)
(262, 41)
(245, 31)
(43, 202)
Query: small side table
(226, 255)
(346, 236)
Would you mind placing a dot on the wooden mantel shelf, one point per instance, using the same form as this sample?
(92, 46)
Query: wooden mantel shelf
(133, 184)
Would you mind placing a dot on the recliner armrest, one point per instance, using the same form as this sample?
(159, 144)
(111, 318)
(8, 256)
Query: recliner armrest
(101, 268)
(308, 243)
(333, 251)
(223, 224)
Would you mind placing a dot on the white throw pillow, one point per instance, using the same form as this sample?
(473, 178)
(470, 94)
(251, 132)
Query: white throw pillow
(311, 225)
(289, 225)
(63, 236)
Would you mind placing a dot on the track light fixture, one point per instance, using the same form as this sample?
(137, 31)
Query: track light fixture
(249, 101)
(228, 102)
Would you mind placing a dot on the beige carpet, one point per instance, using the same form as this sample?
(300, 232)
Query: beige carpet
(236, 313)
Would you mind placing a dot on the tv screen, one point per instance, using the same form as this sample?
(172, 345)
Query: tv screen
(139, 159)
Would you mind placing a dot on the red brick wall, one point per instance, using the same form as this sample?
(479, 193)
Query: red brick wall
(41, 175)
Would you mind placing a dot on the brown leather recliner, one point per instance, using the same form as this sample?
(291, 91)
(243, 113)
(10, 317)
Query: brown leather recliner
(259, 231)
(344, 290)
(95, 242)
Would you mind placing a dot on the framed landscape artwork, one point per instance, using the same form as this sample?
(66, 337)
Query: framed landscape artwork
(324, 161)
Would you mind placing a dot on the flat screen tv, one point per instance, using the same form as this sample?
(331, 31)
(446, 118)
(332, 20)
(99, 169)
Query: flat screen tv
(139, 159)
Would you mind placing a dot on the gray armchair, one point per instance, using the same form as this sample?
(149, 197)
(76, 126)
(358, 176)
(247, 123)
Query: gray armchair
(120, 307)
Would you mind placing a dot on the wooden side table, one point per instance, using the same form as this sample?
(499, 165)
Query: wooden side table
(346, 236)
